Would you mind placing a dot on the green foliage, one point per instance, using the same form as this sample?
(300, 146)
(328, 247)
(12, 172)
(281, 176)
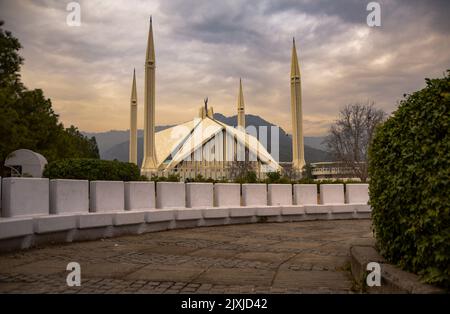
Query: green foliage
(307, 171)
(93, 169)
(276, 177)
(169, 178)
(200, 178)
(247, 177)
(409, 186)
(27, 119)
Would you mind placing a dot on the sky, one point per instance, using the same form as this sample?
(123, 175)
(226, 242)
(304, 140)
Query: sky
(204, 47)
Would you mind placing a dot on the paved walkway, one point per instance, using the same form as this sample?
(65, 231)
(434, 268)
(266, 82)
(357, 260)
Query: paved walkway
(300, 257)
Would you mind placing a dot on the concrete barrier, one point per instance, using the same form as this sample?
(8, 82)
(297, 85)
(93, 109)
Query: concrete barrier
(70, 212)
(25, 197)
(106, 196)
(242, 211)
(227, 194)
(139, 195)
(343, 208)
(357, 193)
(54, 223)
(170, 195)
(129, 218)
(279, 194)
(293, 210)
(317, 209)
(199, 194)
(268, 211)
(305, 194)
(215, 213)
(15, 227)
(189, 214)
(159, 215)
(331, 194)
(254, 194)
(95, 220)
(69, 196)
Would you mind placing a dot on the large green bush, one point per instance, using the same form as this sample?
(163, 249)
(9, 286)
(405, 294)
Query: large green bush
(409, 172)
(92, 169)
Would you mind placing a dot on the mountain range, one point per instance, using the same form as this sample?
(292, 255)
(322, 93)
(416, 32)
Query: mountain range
(114, 144)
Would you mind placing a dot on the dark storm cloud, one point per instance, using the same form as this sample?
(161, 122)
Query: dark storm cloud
(203, 47)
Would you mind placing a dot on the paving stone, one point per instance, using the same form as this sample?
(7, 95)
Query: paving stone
(298, 257)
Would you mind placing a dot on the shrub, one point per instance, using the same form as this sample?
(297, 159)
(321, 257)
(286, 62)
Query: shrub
(92, 169)
(276, 177)
(169, 178)
(409, 189)
(200, 178)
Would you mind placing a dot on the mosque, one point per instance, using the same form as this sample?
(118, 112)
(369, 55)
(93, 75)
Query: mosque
(205, 146)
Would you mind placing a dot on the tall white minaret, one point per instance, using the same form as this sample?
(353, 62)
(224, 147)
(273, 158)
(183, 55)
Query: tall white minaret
(133, 122)
(240, 108)
(149, 163)
(298, 151)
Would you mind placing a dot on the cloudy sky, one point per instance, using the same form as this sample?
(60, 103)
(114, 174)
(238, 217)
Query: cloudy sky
(203, 47)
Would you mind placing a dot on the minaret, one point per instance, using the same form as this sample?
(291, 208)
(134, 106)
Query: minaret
(240, 108)
(133, 122)
(298, 152)
(149, 163)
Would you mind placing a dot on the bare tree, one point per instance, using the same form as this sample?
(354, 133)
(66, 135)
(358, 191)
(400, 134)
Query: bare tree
(349, 138)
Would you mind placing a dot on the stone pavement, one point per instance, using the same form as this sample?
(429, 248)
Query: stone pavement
(300, 257)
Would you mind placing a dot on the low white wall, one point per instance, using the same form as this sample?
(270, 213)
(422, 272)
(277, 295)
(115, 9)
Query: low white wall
(25, 197)
(170, 195)
(305, 194)
(331, 194)
(357, 193)
(254, 194)
(227, 194)
(69, 196)
(139, 195)
(15, 227)
(199, 194)
(106, 196)
(280, 194)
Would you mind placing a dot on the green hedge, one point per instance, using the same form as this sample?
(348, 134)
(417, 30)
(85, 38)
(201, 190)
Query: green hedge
(409, 169)
(92, 169)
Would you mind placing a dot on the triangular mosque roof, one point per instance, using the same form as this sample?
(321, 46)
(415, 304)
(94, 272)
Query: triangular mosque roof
(175, 144)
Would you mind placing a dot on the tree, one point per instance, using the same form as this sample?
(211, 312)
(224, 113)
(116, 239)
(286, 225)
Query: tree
(27, 119)
(349, 138)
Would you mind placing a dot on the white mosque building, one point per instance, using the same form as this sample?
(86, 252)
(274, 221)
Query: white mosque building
(205, 146)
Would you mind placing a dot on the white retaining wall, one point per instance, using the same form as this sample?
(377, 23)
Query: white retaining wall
(305, 194)
(199, 194)
(139, 195)
(254, 194)
(28, 210)
(170, 195)
(25, 197)
(331, 194)
(106, 196)
(356, 193)
(280, 194)
(69, 196)
(227, 194)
